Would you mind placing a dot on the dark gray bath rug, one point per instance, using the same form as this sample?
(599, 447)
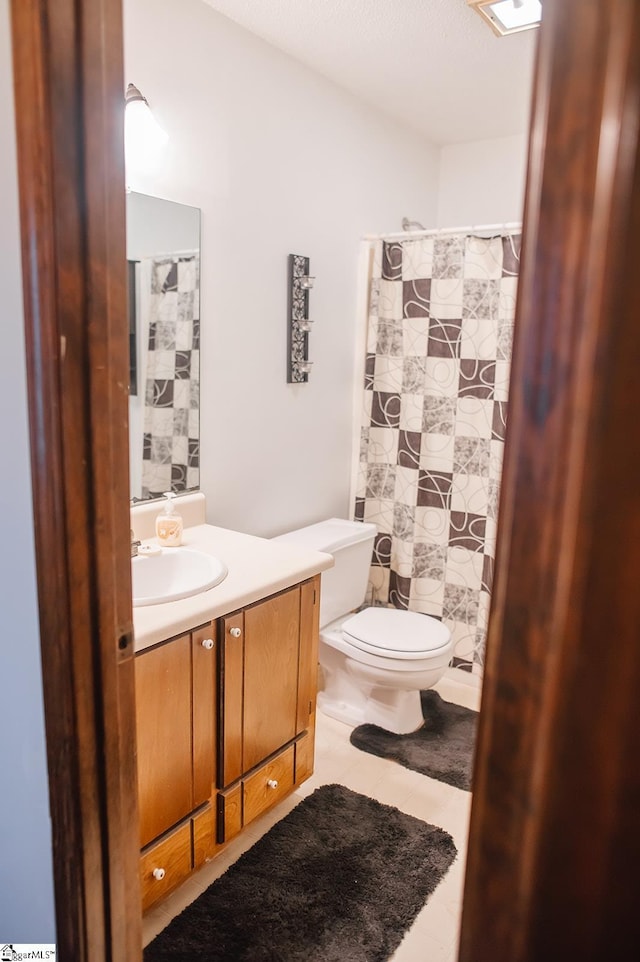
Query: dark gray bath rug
(339, 879)
(442, 748)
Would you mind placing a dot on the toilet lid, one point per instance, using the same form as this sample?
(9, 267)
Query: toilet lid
(396, 633)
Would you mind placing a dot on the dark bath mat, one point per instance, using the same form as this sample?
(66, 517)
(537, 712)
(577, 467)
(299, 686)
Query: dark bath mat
(442, 748)
(339, 879)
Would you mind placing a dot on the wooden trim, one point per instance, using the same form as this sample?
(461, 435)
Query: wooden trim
(204, 712)
(69, 95)
(229, 813)
(231, 705)
(205, 845)
(305, 752)
(308, 659)
(555, 841)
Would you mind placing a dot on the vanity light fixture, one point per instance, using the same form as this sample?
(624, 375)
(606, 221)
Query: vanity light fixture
(144, 138)
(299, 322)
(509, 16)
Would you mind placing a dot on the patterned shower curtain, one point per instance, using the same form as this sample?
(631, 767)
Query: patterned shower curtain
(171, 438)
(438, 357)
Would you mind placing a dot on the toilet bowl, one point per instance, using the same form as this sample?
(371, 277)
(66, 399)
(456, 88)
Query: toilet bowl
(374, 662)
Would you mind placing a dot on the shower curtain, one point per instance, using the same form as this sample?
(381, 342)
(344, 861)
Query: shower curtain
(438, 353)
(171, 433)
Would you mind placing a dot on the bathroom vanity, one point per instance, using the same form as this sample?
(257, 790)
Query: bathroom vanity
(225, 702)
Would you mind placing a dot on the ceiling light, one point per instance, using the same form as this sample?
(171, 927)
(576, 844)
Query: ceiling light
(509, 16)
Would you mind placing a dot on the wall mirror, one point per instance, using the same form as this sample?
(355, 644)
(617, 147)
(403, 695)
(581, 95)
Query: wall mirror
(163, 255)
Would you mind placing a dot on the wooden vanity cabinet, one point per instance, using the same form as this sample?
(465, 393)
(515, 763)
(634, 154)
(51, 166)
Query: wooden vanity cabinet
(225, 729)
(268, 680)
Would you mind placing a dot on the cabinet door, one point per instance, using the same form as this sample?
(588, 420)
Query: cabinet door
(163, 729)
(271, 642)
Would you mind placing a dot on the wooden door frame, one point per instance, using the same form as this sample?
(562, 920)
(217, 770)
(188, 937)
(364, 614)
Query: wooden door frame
(553, 845)
(555, 832)
(68, 76)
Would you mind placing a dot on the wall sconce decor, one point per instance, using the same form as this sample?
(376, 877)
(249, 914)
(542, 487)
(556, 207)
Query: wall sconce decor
(144, 138)
(300, 283)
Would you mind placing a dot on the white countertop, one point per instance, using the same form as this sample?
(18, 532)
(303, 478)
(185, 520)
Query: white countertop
(258, 567)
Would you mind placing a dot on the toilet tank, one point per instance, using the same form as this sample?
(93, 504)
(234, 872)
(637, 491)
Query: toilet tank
(344, 586)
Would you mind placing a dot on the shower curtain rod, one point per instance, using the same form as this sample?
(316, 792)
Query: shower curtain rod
(404, 234)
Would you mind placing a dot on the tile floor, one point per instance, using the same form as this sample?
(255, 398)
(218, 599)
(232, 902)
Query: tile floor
(434, 934)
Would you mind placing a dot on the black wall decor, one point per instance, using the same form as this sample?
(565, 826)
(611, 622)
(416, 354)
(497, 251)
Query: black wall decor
(299, 323)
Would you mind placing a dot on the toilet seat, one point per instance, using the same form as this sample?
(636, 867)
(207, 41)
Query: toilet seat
(397, 634)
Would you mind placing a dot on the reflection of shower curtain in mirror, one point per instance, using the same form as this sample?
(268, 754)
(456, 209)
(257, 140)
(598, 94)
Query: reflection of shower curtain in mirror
(171, 438)
(437, 372)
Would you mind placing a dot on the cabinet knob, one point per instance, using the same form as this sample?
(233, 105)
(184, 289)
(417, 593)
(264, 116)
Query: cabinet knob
(272, 783)
(235, 632)
(159, 874)
(207, 643)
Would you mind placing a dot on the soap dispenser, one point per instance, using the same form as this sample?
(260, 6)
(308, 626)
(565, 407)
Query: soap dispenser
(169, 524)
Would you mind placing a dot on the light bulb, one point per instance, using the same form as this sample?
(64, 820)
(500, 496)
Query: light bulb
(144, 138)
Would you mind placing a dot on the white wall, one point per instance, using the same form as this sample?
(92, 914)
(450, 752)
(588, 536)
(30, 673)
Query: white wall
(482, 182)
(26, 890)
(280, 161)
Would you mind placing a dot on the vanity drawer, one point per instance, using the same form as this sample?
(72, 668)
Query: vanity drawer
(170, 858)
(267, 785)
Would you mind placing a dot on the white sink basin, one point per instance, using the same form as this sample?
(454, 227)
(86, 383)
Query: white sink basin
(172, 574)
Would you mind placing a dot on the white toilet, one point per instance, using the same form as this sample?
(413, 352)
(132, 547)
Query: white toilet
(375, 662)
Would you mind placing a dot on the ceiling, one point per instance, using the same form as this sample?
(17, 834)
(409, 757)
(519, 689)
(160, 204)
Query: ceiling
(431, 64)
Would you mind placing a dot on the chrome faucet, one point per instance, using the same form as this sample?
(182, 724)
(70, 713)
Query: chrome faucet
(134, 544)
